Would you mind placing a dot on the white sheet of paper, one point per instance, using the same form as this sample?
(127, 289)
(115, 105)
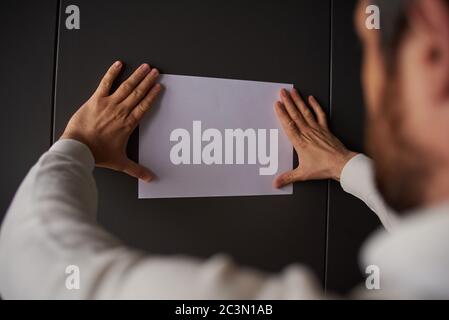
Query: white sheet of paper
(220, 104)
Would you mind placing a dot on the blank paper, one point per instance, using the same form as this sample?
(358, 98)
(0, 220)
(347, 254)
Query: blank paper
(241, 112)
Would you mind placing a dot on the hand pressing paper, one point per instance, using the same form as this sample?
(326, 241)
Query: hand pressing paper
(210, 137)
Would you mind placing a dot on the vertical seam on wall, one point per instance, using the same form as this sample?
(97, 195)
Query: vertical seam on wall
(55, 73)
(331, 42)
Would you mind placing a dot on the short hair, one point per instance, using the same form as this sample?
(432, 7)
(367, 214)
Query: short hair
(394, 23)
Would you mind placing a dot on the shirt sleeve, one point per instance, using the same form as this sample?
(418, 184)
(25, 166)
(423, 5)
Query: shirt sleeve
(357, 178)
(52, 248)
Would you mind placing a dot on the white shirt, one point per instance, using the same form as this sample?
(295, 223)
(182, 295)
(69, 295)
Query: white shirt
(51, 224)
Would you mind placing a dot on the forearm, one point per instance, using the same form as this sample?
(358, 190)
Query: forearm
(51, 225)
(357, 178)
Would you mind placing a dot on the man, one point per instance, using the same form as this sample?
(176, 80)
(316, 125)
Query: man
(51, 221)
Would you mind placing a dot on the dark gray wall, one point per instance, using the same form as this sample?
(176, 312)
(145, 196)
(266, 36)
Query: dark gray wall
(27, 35)
(350, 221)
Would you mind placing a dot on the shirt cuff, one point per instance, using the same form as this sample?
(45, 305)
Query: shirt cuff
(76, 150)
(355, 173)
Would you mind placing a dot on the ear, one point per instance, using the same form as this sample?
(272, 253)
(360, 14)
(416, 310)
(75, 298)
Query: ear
(430, 19)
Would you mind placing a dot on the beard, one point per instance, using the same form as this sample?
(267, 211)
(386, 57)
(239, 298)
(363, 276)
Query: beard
(402, 168)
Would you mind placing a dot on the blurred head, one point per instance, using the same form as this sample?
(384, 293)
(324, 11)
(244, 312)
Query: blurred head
(405, 79)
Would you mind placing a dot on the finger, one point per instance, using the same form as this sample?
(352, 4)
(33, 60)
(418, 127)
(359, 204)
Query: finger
(129, 84)
(108, 79)
(287, 123)
(137, 171)
(303, 108)
(292, 110)
(320, 115)
(286, 178)
(139, 111)
(141, 90)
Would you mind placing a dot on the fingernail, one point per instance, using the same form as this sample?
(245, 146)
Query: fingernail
(154, 72)
(117, 64)
(145, 67)
(284, 92)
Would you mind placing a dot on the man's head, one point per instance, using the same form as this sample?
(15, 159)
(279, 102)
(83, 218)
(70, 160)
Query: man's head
(405, 78)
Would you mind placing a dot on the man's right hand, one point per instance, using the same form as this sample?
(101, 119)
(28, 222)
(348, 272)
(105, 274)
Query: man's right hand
(321, 155)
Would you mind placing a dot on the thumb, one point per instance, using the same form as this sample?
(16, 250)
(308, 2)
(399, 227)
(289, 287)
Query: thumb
(286, 178)
(136, 170)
